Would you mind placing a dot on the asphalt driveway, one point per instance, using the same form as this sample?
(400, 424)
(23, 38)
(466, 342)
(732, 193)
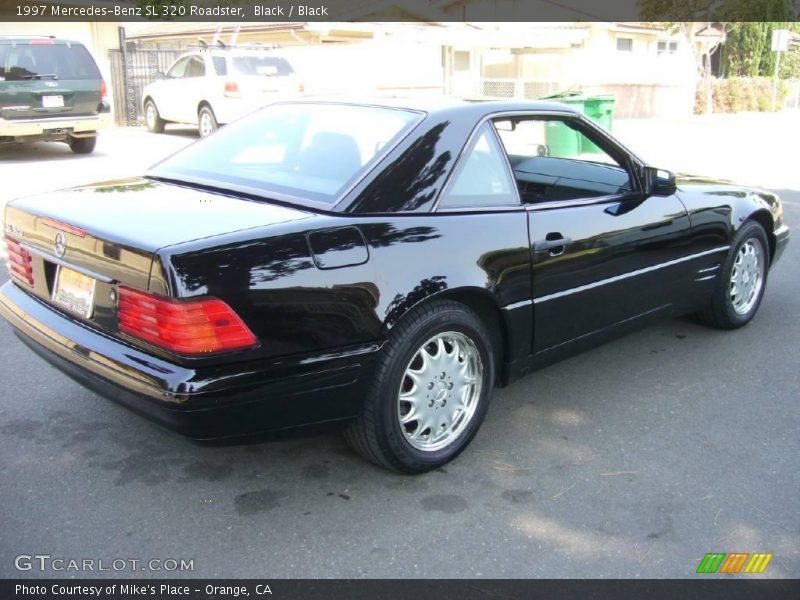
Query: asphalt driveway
(631, 460)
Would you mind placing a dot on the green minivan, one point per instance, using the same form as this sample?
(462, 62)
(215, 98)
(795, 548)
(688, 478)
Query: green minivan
(50, 90)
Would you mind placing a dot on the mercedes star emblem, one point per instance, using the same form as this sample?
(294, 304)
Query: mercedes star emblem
(61, 244)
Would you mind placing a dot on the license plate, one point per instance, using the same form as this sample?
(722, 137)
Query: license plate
(52, 101)
(74, 291)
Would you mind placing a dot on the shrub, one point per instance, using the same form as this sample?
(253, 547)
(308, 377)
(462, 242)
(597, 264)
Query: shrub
(739, 94)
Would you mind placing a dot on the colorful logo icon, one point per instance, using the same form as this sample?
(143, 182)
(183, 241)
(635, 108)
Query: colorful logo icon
(720, 562)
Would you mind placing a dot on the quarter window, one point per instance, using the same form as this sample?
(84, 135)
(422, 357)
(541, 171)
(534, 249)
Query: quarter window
(219, 65)
(482, 179)
(178, 70)
(196, 67)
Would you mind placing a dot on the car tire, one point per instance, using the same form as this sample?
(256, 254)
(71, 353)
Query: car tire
(446, 347)
(152, 118)
(743, 280)
(84, 145)
(206, 121)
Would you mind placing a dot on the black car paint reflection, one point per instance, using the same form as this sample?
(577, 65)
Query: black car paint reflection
(322, 288)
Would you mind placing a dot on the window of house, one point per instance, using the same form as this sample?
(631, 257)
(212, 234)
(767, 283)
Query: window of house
(482, 179)
(667, 47)
(461, 60)
(553, 160)
(624, 44)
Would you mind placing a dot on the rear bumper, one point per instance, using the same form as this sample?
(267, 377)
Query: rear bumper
(208, 402)
(41, 127)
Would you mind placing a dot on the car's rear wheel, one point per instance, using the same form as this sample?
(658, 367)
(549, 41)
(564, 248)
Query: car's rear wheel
(207, 122)
(83, 145)
(152, 118)
(431, 390)
(742, 281)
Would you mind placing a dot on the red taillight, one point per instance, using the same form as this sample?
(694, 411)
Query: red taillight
(103, 91)
(182, 326)
(20, 263)
(41, 42)
(232, 90)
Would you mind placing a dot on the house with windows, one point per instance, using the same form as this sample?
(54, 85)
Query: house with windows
(649, 70)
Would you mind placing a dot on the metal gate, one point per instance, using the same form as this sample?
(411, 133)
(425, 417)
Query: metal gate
(131, 70)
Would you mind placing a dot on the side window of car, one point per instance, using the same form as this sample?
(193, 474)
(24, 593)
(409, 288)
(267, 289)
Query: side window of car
(196, 67)
(220, 68)
(178, 70)
(482, 178)
(554, 159)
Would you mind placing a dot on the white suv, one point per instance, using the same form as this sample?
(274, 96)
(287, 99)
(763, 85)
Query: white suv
(211, 87)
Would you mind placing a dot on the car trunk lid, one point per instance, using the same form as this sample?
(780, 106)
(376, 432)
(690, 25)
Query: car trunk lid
(109, 234)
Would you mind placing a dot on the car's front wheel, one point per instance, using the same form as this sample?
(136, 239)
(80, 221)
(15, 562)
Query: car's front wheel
(431, 390)
(84, 145)
(207, 122)
(152, 118)
(742, 281)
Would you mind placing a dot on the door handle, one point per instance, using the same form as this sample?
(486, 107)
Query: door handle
(554, 244)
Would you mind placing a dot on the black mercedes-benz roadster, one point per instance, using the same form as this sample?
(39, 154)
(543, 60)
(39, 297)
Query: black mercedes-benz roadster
(381, 265)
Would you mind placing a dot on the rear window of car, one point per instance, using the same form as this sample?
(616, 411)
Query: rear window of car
(261, 65)
(22, 61)
(306, 151)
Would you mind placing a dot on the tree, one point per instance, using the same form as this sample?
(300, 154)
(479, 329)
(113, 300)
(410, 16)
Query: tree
(790, 64)
(692, 16)
(748, 52)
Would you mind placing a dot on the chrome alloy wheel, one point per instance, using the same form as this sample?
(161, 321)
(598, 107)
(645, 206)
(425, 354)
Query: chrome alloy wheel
(439, 391)
(150, 115)
(206, 124)
(747, 276)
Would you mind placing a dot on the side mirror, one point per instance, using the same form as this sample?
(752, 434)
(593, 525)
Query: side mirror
(658, 182)
(160, 75)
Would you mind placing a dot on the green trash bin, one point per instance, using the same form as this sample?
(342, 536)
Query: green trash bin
(601, 110)
(562, 141)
